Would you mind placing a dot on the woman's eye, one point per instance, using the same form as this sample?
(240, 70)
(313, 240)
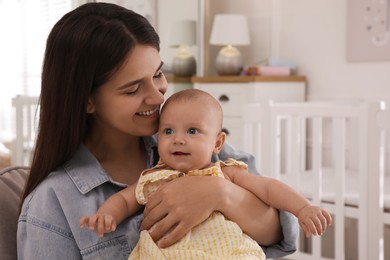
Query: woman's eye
(158, 75)
(168, 131)
(192, 131)
(132, 91)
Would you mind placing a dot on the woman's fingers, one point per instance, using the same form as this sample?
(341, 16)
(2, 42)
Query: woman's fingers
(175, 207)
(163, 228)
(153, 214)
(174, 235)
(153, 201)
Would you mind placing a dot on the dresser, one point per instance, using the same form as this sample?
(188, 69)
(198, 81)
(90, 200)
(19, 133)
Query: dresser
(176, 84)
(234, 91)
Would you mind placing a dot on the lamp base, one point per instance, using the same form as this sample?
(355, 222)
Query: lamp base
(229, 61)
(184, 66)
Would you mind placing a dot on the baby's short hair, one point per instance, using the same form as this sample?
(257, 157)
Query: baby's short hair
(191, 94)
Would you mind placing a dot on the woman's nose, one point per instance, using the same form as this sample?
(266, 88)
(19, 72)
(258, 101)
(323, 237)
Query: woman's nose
(156, 93)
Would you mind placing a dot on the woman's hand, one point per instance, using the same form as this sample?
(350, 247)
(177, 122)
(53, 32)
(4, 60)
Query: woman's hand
(178, 206)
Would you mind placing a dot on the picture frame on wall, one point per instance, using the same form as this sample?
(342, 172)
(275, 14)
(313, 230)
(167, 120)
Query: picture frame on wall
(368, 33)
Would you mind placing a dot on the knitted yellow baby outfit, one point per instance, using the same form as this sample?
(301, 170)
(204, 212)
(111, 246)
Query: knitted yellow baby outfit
(215, 238)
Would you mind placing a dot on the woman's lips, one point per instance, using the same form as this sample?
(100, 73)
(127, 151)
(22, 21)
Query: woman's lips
(149, 112)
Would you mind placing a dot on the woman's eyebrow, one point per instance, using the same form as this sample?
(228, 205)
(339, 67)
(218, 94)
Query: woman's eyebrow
(159, 67)
(131, 83)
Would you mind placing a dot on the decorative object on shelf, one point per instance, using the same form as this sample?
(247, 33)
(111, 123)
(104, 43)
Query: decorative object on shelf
(266, 71)
(229, 30)
(281, 62)
(271, 67)
(183, 36)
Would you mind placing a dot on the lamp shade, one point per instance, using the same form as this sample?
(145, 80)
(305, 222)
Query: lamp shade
(230, 29)
(183, 32)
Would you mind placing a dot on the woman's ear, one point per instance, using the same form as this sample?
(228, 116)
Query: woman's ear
(219, 143)
(90, 106)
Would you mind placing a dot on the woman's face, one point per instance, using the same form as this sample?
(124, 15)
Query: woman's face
(128, 103)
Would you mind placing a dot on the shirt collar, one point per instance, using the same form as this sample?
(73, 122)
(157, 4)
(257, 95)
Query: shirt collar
(87, 173)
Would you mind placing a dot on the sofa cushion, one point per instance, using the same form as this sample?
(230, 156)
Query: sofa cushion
(12, 181)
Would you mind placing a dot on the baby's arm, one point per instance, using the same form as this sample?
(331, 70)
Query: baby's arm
(112, 212)
(313, 219)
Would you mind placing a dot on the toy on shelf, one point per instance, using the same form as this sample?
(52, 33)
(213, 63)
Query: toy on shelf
(271, 67)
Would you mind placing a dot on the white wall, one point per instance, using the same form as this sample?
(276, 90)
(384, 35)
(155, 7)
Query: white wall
(313, 33)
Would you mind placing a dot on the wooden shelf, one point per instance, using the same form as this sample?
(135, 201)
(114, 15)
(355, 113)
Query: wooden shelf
(176, 79)
(234, 79)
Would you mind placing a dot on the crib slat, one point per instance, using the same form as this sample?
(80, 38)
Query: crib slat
(293, 144)
(362, 156)
(317, 159)
(317, 175)
(25, 117)
(17, 154)
(303, 144)
(374, 207)
(363, 185)
(253, 129)
(339, 147)
(275, 135)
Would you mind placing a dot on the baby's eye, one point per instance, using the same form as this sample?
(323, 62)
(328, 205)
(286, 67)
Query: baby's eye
(168, 131)
(192, 131)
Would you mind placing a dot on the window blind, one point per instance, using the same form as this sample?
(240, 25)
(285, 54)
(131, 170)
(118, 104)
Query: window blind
(24, 27)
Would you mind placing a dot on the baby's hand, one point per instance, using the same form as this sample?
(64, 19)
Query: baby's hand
(99, 223)
(314, 220)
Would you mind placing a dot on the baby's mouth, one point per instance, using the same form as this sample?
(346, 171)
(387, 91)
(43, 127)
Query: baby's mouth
(180, 153)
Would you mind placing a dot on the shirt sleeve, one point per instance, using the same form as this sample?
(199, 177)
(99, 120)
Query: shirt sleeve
(288, 221)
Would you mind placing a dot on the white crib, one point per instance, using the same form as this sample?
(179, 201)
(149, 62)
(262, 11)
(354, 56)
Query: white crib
(26, 118)
(334, 155)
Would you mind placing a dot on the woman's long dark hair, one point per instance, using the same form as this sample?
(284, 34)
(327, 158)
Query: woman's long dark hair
(85, 47)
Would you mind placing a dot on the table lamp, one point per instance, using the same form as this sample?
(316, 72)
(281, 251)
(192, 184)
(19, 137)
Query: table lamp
(183, 36)
(229, 30)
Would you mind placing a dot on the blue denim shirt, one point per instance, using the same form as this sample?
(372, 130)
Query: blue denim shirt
(49, 221)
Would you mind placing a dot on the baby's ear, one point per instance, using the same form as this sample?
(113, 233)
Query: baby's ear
(219, 142)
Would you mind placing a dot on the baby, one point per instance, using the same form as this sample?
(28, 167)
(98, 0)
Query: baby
(189, 134)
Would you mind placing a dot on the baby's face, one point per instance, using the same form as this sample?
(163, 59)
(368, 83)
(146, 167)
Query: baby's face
(188, 134)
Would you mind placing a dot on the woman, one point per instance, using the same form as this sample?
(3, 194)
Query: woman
(102, 87)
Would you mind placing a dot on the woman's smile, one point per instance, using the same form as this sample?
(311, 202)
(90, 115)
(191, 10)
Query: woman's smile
(150, 113)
